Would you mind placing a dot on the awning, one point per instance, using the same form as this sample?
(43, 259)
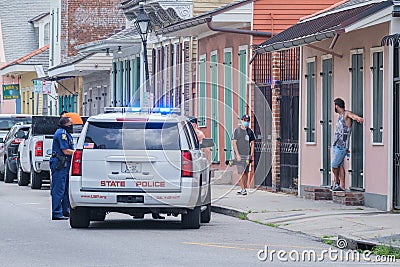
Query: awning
(321, 27)
(126, 38)
(83, 64)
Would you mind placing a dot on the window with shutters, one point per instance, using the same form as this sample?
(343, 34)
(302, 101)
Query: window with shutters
(310, 102)
(377, 97)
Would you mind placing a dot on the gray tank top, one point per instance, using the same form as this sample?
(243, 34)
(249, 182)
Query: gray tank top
(342, 133)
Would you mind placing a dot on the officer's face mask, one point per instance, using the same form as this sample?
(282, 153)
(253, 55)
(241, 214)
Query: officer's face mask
(245, 124)
(68, 128)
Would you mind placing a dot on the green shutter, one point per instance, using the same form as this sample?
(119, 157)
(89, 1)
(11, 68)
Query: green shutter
(377, 108)
(203, 96)
(228, 104)
(120, 84)
(310, 130)
(214, 108)
(242, 82)
(135, 83)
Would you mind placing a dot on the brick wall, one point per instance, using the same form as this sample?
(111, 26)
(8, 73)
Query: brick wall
(276, 119)
(84, 21)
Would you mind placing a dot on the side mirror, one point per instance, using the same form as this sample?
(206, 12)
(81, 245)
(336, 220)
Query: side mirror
(207, 142)
(20, 134)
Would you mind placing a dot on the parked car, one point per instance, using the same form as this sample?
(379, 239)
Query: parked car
(9, 120)
(9, 151)
(34, 153)
(139, 163)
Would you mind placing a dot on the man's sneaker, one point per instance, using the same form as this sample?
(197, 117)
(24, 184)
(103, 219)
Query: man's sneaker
(239, 192)
(334, 186)
(337, 189)
(244, 192)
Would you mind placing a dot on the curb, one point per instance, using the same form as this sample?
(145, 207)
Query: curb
(352, 243)
(228, 211)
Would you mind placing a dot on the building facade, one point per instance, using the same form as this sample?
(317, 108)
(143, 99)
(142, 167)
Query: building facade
(355, 57)
(22, 33)
(276, 82)
(75, 23)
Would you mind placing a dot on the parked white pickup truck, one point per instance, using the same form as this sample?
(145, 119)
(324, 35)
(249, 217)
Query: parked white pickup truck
(34, 153)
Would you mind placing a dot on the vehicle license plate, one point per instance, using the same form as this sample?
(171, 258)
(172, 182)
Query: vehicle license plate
(131, 167)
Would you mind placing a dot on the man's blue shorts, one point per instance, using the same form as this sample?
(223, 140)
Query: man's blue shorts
(339, 153)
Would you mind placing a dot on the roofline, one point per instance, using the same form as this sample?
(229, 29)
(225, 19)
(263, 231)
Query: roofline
(107, 42)
(331, 11)
(27, 57)
(323, 10)
(18, 68)
(39, 17)
(201, 19)
(317, 37)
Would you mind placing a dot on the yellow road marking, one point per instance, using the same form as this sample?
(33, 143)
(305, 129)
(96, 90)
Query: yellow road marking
(251, 245)
(218, 246)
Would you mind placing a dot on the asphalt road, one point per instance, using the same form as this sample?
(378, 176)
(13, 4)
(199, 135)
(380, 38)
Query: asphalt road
(28, 237)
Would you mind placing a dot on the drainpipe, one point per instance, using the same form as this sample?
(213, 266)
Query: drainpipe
(238, 31)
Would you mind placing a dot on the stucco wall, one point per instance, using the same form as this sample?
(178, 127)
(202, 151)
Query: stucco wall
(218, 43)
(375, 156)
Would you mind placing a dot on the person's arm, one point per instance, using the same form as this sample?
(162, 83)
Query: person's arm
(252, 150)
(235, 149)
(64, 145)
(68, 152)
(354, 117)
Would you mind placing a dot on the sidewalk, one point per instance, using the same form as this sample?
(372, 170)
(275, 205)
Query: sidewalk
(359, 225)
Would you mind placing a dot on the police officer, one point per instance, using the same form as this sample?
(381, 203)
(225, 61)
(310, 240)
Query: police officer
(60, 162)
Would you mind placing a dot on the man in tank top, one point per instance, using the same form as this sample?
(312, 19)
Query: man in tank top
(341, 142)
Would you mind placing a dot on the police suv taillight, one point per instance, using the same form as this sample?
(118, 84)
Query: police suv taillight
(39, 149)
(76, 169)
(187, 166)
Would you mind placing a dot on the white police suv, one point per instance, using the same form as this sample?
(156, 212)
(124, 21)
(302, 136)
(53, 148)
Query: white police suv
(137, 163)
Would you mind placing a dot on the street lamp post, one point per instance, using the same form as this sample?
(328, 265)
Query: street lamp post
(143, 26)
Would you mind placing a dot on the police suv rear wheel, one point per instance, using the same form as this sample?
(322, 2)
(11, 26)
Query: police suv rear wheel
(191, 220)
(79, 218)
(206, 214)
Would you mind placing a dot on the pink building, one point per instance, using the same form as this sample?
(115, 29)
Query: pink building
(344, 55)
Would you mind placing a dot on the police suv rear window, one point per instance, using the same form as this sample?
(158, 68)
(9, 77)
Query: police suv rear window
(132, 136)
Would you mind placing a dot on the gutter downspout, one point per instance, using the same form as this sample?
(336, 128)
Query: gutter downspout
(238, 31)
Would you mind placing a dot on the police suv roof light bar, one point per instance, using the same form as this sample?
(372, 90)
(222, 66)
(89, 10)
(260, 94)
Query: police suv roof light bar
(161, 110)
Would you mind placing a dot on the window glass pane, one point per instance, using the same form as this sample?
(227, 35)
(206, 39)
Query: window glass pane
(133, 135)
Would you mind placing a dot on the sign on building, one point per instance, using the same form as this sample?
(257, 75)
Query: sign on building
(38, 85)
(46, 88)
(11, 91)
